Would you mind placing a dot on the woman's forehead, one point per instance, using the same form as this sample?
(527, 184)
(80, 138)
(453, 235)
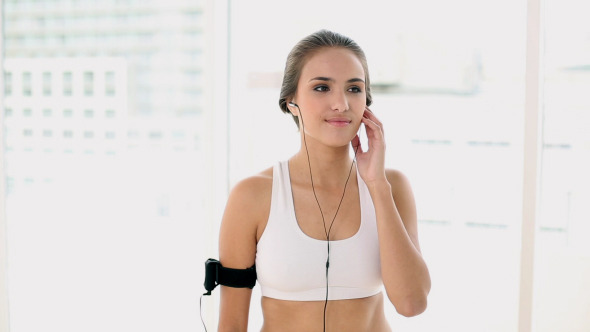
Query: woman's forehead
(334, 63)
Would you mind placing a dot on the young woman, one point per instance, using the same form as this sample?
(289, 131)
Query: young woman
(327, 231)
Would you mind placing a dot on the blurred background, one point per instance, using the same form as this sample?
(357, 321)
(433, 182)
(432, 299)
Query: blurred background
(126, 122)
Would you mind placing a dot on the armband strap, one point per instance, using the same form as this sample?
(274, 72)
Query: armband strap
(216, 274)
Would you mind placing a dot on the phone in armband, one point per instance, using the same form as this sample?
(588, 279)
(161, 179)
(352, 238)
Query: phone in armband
(217, 274)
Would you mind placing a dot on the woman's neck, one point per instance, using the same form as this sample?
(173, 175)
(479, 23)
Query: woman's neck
(329, 166)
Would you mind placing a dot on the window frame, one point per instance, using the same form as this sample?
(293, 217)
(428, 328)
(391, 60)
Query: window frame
(4, 325)
(531, 163)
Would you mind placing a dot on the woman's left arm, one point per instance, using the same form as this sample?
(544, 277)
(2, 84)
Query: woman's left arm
(404, 272)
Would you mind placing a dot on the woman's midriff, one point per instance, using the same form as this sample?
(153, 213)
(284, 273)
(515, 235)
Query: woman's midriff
(355, 315)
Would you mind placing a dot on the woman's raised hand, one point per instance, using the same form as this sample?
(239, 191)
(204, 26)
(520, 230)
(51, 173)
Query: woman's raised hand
(371, 162)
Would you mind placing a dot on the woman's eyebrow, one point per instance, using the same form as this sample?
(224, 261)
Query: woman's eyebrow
(328, 79)
(355, 80)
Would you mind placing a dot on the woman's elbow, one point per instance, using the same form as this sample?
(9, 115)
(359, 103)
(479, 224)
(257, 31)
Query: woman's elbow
(411, 306)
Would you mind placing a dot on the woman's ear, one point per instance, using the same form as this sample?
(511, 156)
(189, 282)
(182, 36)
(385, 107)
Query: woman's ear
(293, 109)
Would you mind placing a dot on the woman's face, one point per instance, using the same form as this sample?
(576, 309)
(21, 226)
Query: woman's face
(331, 96)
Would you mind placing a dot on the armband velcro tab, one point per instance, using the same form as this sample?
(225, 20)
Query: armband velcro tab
(216, 274)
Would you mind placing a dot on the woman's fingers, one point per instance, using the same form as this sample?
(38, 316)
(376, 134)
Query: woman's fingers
(370, 115)
(373, 128)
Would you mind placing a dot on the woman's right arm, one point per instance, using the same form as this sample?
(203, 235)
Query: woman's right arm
(244, 212)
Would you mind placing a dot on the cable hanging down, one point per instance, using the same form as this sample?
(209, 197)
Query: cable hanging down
(326, 230)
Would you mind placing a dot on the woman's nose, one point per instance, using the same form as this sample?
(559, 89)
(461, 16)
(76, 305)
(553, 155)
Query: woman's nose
(339, 102)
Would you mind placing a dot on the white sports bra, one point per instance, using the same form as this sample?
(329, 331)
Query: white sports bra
(291, 265)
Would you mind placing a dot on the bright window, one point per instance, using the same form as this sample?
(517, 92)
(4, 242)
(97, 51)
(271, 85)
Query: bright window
(108, 217)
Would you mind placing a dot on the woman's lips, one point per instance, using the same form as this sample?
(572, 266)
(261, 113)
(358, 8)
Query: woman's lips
(338, 122)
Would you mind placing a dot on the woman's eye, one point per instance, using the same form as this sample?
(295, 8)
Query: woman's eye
(355, 89)
(321, 88)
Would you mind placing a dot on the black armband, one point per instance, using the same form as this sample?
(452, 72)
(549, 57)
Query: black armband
(216, 274)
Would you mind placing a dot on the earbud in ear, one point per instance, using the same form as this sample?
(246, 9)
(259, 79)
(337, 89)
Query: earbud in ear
(292, 104)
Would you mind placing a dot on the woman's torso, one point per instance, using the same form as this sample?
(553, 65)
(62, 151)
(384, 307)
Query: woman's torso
(352, 260)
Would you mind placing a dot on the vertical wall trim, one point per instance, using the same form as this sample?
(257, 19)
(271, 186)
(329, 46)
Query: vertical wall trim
(530, 163)
(216, 153)
(4, 312)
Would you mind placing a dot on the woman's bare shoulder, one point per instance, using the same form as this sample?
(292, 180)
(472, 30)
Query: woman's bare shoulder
(253, 188)
(245, 213)
(248, 204)
(398, 180)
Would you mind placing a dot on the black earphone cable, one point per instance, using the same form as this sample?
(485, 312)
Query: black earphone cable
(326, 231)
(201, 311)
